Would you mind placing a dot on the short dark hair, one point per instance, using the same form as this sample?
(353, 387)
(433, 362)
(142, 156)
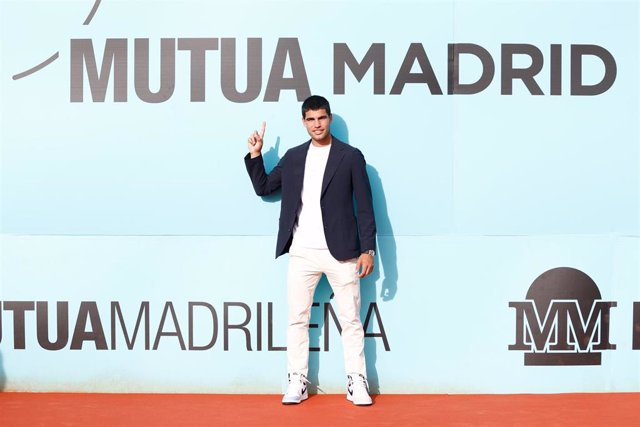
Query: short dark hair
(315, 102)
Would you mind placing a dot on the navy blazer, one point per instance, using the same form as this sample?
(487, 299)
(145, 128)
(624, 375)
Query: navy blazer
(349, 230)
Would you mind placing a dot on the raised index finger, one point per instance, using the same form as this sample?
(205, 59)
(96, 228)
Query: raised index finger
(262, 129)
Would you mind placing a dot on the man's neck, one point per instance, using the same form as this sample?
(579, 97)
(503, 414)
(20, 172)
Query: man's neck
(325, 142)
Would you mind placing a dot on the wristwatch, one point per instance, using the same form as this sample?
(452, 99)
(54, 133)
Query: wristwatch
(370, 252)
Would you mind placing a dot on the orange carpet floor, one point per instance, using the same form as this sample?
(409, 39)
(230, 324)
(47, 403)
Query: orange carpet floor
(69, 409)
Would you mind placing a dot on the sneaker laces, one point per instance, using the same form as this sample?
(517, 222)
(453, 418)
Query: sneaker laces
(360, 381)
(303, 380)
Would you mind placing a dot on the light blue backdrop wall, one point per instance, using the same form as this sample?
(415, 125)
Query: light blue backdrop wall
(475, 195)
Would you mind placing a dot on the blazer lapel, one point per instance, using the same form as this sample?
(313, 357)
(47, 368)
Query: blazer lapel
(336, 153)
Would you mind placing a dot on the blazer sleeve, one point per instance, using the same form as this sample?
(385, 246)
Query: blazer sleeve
(364, 203)
(263, 183)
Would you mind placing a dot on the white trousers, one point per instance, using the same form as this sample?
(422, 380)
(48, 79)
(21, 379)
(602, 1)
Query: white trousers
(305, 269)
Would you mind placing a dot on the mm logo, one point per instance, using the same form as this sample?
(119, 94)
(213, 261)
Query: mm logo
(563, 320)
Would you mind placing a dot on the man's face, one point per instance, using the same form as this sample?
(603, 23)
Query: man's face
(318, 124)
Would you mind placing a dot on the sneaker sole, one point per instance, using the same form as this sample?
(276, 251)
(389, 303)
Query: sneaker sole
(295, 402)
(359, 404)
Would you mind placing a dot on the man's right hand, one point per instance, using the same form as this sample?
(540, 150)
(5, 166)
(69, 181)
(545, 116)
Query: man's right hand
(254, 143)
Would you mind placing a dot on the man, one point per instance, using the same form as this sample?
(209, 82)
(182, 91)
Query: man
(323, 233)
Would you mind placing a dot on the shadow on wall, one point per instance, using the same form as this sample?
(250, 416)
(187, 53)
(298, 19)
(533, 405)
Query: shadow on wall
(271, 159)
(3, 376)
(386, 263)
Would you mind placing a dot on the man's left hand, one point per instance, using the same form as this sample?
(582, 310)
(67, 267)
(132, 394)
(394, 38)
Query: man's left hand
(364, 266)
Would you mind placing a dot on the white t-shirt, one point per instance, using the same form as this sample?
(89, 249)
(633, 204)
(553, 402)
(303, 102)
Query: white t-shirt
(309, 230)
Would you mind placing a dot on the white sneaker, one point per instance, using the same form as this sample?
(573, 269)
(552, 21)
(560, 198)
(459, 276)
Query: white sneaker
(358, 390)
(297, 389)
